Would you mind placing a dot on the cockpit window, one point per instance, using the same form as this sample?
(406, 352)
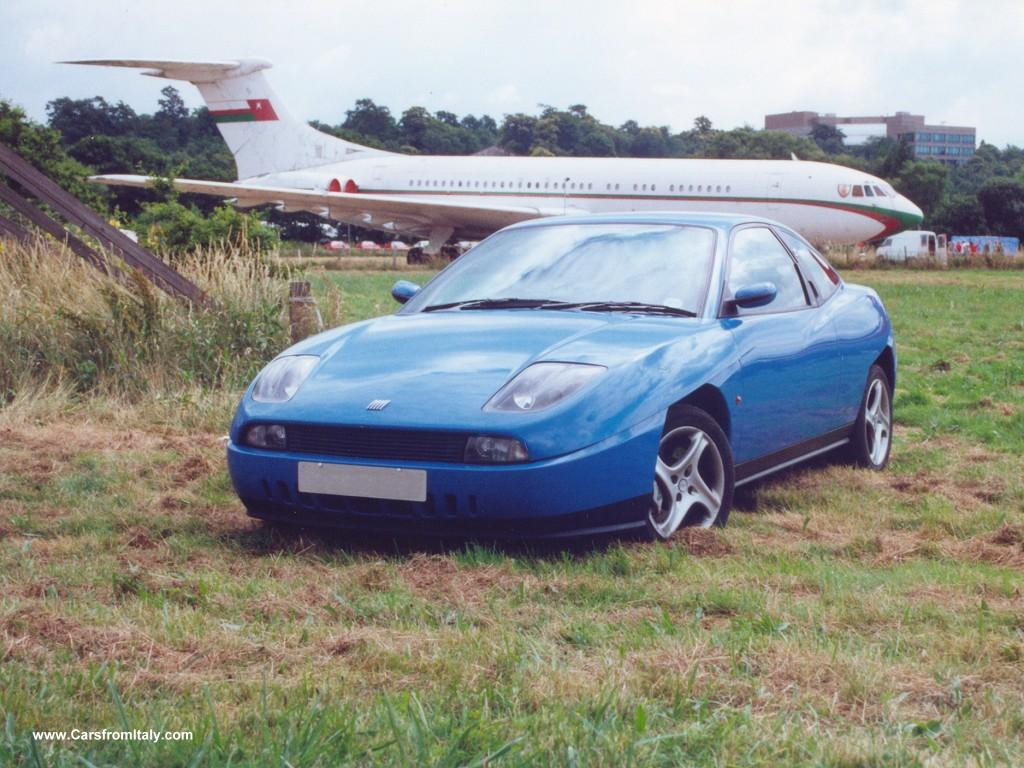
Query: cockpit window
(867, 190)
(858, 190)
(880, 192)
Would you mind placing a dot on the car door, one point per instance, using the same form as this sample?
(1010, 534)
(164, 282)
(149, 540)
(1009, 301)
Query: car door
(789, 361)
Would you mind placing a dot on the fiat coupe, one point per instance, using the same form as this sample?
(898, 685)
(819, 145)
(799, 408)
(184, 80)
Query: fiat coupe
(582, 375)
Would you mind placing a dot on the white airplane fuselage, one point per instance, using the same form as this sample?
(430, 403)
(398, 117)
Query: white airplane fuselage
(816, 199)
(282, 161)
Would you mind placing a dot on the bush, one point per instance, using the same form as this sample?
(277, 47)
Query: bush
(172, 228)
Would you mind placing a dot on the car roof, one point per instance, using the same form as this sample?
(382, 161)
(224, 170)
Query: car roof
(692, 218)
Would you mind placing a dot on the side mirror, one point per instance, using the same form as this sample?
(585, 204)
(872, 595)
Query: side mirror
(755, 295)
(404, 290)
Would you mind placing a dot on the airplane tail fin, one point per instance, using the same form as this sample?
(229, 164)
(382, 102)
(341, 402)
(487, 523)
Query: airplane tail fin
(263, 137)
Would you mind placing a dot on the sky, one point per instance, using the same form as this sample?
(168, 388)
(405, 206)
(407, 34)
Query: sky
(653, 61)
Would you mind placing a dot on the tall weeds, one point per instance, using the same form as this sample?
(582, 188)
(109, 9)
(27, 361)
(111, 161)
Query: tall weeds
(64, 326)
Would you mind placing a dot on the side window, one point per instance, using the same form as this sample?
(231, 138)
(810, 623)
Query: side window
(819, 274)
(758, 257)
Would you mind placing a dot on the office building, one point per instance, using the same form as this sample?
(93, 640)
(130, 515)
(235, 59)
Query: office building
(950, 144)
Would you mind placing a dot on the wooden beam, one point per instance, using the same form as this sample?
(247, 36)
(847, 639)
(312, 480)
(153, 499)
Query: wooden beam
(73, 210)
(14, 229)
(51, 227)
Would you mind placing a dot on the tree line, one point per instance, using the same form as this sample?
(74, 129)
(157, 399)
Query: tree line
(984, 195)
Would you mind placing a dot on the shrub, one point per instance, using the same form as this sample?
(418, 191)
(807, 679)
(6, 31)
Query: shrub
(173, 229)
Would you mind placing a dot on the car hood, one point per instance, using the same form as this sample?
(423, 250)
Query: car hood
(440, 368)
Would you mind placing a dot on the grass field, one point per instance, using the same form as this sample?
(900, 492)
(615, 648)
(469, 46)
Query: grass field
(844, 618)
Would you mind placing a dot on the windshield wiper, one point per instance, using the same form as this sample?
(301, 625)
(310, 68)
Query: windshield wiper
(585, 306)
(509, 303)
(632, 306)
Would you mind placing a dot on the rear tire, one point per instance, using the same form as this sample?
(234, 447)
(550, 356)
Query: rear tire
(871, 441)
(693, 475)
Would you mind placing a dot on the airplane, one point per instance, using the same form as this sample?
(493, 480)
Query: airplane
(285, 162)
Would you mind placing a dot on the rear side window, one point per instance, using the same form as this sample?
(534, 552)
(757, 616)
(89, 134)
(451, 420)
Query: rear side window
(822, 279)
(758, 257)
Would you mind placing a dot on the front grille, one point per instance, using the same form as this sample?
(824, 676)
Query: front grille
(376, 443)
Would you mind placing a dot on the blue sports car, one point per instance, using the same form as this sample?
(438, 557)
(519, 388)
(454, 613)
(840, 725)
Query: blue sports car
(582, 375)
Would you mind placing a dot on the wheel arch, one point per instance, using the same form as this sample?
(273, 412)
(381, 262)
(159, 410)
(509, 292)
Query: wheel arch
(887, 362)
(710, 400)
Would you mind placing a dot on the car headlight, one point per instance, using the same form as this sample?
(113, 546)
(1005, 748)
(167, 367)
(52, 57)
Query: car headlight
(542, 385)
(282, 378)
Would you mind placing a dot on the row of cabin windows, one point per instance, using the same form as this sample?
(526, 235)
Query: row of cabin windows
(498, 184)
(562, 185)
(866, 191)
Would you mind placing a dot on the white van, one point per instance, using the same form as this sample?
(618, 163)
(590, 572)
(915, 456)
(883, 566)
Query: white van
(913, 244)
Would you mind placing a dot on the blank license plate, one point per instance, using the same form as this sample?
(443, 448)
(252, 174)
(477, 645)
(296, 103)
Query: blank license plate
(365, 482)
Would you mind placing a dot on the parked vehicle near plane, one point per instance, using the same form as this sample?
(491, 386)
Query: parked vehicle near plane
(285, 162)
(913, 244)
(581, 375)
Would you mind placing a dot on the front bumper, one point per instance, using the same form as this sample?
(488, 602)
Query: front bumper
(603, 488)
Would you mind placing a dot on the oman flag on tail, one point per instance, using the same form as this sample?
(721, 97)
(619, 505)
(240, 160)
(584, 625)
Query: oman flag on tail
(254, 111)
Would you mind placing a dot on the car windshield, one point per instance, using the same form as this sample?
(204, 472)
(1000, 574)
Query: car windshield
(604, 267)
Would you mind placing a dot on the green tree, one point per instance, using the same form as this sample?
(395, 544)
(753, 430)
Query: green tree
(898, 154)
(517, 133)
(1003, 203)
(42, 148)
(77, 119)
(960, 215)
(924, 182)
(650, 142)
(702, 124)
(170, 128)
(369, 119)
(595, 140)
(829, 138)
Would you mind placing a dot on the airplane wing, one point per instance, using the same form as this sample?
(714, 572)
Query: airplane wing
(390, 212)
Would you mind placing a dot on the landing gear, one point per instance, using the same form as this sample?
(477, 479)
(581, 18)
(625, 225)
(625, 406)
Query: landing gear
(420, 256)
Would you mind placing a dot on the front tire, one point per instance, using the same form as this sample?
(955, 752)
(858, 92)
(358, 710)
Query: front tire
(693, 475)
(871, 441)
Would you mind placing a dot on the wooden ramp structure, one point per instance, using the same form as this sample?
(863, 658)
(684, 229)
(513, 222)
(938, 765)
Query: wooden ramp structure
(114, 245)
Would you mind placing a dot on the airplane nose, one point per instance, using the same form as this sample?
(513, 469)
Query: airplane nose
(911, 210)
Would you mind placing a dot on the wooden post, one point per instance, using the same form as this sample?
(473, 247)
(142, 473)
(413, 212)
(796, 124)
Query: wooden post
(303, 316)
